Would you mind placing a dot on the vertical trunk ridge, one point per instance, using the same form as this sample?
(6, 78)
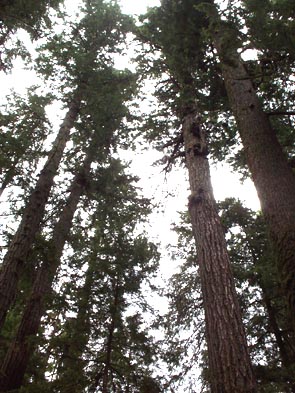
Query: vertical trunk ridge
(272, 176)
(23, 239)
(19, 352)
(229, 362)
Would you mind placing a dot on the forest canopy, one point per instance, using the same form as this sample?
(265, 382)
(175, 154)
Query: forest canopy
(120, 271)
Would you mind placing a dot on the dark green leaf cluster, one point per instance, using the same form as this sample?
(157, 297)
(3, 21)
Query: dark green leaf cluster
(24, 128)
(75, 55)
(107, 268)
(27, 15)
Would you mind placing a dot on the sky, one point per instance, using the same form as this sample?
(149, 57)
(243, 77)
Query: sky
(170, 191)
(225, 183)
(154, 183)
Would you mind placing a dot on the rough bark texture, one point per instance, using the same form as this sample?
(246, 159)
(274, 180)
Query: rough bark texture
(23, 239)
(18, 355)
(272, 176)
(229, 363)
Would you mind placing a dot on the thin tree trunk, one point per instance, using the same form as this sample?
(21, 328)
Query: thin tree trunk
(229, 363)
(23, 239)
(18, 355)
(274, 328)
(286, 352)
(272, 176)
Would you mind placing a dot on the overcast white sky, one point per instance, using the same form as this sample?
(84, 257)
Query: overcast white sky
(225, 183)
(153, 182)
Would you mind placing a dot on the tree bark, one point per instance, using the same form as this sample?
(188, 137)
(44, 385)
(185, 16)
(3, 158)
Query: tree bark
(23, 239)
(272, 176)
(229, 363)
(18, 355)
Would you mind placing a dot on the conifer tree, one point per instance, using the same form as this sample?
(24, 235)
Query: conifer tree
(101, 346)
(271, 173)
(101, 134)
(181, 47)
(90, 45)
(263, 310)
(31, 17)
(23, 239)
(24, 127)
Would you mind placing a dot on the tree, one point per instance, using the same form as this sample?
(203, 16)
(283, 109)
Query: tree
(24, 127)
(90, 54)
(99, 139)
(16, 14)
(16, 359)
(23, 239)
(100, 344)
(180, 43)
(264, 311)
(272, 176)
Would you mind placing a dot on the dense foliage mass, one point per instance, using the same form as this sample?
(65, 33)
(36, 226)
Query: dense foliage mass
(79, 269)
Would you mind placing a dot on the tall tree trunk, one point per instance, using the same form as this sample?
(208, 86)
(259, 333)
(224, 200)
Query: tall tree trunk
(23, 239)
(272, 176)
(229, 363)
(18, 355)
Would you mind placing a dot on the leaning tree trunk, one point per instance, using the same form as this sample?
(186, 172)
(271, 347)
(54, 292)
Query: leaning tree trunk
(272, 176)
(229, 363)
(19, 352)
(23, 239)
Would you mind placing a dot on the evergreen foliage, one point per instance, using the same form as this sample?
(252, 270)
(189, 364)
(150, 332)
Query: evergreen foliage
(78, 318)
(22, 137)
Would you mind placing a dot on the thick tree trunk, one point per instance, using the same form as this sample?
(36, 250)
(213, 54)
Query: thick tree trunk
(23, 239)
(272, 176)
(229, 363)
(18, 355)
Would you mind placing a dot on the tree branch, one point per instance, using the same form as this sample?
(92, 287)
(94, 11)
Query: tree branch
(281, 113)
